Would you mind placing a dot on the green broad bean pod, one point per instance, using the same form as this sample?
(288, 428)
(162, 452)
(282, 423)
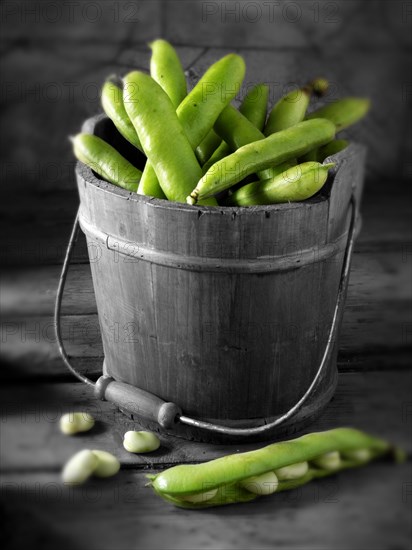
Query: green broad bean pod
(251, 158)
(297, 183)
(278, 467)
(113, 106)
(335, 146)
(253, 108)
(215, 90)
(106, 161)
(149, 184)
(310, 156)
(151, 111)
(288, 111)
(222, 151)
(207, 147)
(343, 112)
(240, 127)
(235, 129)
(166, 69)
(291, 108)
(200, 108)
(331, 148)
(254, 105)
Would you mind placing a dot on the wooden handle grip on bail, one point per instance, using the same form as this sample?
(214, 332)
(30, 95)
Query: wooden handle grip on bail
(137, 401)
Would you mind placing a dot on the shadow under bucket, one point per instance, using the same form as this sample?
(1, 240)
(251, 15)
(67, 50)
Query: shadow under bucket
(223, 311)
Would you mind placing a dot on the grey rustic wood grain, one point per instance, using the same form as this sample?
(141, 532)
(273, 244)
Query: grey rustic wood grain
(102, 22)
(298, 25)
(31, 342)
(366, 508)
(37, 368)
(30, 437)
(376, 277)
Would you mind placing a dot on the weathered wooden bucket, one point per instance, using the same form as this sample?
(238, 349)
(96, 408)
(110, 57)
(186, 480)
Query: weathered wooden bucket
(230, 315)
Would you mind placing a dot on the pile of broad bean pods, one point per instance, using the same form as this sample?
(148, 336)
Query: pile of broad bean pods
(200, 149)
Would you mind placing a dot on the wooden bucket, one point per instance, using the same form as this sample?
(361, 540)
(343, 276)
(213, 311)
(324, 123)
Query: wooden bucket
(224, 311)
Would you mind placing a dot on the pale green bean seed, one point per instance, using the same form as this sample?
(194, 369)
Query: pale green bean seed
(79, 468)
(74, 422)
(264, 484)
(201, 497)
(107, 464)
(328, 461)
(140, 442)
(362, 455)
(294, 471)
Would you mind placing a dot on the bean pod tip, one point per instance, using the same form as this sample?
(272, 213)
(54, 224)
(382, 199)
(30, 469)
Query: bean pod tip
(192, 198)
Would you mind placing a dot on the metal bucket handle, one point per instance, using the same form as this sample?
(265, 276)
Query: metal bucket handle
(144, 404)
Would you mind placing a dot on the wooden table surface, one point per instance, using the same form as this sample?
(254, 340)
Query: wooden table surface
(367, 508)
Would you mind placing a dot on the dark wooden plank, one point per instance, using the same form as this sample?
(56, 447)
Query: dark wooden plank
(32, 291)
(298, 25)
(376, 278)
(42, 366)
(375, 360)
(102, 22)
(34, 339)
(36, 229)
(368, 508)
(386, 211)
(30, 343)
(30, 438)
(378, 284)
(40, 370)
(370, 340)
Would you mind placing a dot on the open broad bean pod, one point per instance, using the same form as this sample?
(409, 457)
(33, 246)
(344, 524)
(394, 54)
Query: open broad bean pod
(278, 467)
